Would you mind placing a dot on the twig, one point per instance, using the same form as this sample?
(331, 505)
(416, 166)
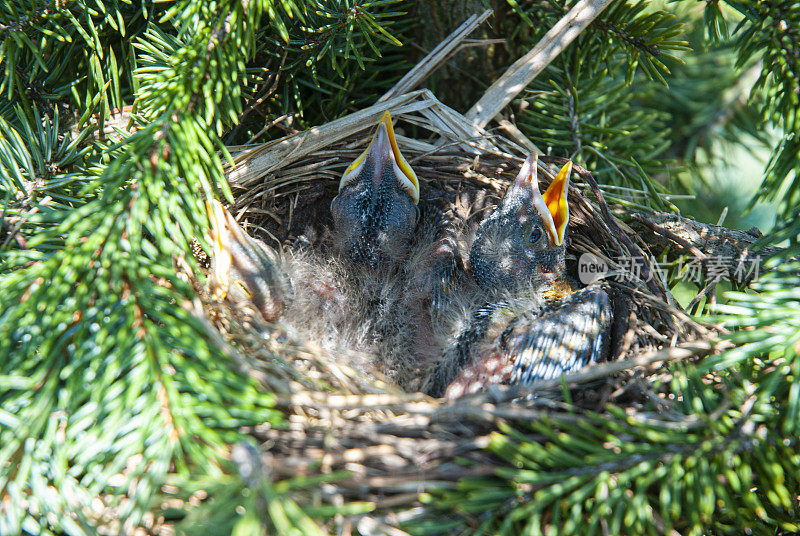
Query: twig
(525, 69)
(686, 320)
(267, 126)
(721, 251)
(436, 57)
(419, 404)
(265, 94)
(518, 136)
(13, 231)
(696, 300)
(265, 158)
(685, 244)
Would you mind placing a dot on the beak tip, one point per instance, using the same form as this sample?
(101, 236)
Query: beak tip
(566, 171)
(528, 174)
(564, 176)
(386, 122)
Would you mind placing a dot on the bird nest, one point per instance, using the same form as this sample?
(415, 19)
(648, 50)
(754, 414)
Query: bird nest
(397, 444)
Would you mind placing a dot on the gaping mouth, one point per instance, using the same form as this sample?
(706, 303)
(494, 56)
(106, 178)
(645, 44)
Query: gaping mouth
(383, 151)
(223, 258)
(551, 206)
(556, 200)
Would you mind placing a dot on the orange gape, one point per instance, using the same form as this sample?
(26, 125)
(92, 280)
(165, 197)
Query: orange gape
(556, 200)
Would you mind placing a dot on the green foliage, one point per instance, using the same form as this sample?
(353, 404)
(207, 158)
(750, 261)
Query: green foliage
(338, 58)
(715, 132)
(707, 101)
(251, 504)
(717, 457)
(589, 104)
(110, 382)
(86, 64)
(111, 386)
(770, 31)
(38, 160)
(637, 474)
(581, 124)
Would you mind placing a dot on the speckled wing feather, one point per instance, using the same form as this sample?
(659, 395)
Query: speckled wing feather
(507, 346)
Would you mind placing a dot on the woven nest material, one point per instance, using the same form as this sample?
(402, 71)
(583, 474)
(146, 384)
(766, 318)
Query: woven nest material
(398, 444)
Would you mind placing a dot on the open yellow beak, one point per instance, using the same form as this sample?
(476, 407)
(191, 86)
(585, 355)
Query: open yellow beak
(221, 254)
(383, 151)
(552, 207)
(243, 268)
(556, 200)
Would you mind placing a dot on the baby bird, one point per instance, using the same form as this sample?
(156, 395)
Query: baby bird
(534, 323)
(375, 213)
(386, 288)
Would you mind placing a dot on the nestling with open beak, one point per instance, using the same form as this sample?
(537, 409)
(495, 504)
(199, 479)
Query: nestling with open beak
(349, 291)
(523, 240)
(245, 269)
(534, 324)
(375, 212)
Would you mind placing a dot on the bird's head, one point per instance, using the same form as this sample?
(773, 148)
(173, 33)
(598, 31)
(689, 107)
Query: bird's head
(375, 212)
(523, 240)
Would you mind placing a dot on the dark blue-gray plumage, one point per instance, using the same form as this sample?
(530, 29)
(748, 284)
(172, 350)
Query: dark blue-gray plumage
(523, 340)
(513, 246)
(375, 212)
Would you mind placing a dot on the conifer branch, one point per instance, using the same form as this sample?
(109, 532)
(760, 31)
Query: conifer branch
(111, 383)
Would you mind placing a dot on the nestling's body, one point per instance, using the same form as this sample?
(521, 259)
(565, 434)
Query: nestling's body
(396, 293)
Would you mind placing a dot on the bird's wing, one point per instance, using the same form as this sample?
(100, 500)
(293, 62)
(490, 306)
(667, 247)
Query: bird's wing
(519, 347)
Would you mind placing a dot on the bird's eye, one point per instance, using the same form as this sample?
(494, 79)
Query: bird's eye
(536, 234)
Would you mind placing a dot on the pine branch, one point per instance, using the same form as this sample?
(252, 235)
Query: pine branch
(770, 30)
(110, 313)
(616, 472)
(110, 386)
(250, 502)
